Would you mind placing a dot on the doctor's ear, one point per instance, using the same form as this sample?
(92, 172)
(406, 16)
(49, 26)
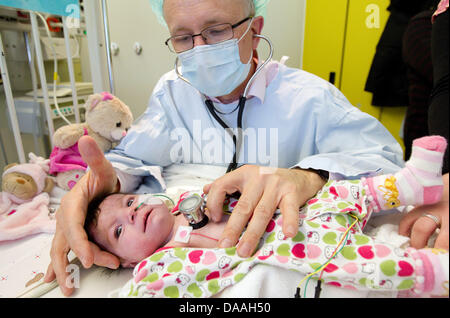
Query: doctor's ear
(257, 26)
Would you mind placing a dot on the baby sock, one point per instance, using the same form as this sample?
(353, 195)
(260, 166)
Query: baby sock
(431, 272)
(420, 182)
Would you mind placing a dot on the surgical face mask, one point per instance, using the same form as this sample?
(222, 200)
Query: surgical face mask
(216, 69)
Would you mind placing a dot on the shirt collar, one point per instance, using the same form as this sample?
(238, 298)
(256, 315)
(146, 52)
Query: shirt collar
(262, 80)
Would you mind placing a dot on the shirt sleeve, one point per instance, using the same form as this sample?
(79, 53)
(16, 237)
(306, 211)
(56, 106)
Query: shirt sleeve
(144, 151)
(128, 182)
(350, 143)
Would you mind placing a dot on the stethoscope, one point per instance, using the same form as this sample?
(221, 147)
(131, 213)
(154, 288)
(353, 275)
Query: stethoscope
(237, 140)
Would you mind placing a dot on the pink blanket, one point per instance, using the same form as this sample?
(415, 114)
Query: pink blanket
(25, 219)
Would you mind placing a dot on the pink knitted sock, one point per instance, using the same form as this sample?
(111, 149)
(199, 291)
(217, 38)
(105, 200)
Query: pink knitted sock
(431, 272)
(420, 182)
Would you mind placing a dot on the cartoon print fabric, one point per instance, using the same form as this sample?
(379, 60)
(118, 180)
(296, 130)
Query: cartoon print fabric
(361, 264)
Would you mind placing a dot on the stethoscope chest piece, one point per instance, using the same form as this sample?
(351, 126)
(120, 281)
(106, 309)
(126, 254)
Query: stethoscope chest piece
(193, 209)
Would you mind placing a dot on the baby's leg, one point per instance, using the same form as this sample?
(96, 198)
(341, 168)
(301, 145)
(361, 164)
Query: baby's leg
(431, 271)
(364, 263)
(420, 182)
(381, 266)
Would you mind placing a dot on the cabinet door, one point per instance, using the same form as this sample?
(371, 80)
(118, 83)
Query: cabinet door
(324, 38)
(135, 75)
(365, 24)
(341, 37)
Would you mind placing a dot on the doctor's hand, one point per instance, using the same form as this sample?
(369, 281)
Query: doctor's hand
(420, 228)
(101, 179)
(263, 190)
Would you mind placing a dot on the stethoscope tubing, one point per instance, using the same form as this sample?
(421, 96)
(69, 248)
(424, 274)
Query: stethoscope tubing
(237, 141)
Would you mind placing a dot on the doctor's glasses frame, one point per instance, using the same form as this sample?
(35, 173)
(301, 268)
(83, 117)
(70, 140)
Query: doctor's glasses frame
(211, 35)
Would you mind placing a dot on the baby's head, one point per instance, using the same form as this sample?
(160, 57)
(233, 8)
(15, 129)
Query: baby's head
(129, 226)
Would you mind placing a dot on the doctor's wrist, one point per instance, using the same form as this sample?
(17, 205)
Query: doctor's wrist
(317, 178)
(314, 179)
(324, 175)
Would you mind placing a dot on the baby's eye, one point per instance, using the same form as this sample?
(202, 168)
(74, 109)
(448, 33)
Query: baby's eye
(118, 231)
(130, 202)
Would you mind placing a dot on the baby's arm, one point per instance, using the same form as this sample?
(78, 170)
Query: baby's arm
(419, 183)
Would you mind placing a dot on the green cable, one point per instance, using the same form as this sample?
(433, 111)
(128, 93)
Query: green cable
(343, 245)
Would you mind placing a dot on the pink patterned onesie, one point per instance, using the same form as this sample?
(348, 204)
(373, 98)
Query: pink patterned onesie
(361, 263)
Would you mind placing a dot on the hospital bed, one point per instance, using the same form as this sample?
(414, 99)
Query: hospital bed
(24, 262)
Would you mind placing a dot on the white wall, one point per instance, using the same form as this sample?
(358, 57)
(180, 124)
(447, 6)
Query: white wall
(136, 75)
(133, 21)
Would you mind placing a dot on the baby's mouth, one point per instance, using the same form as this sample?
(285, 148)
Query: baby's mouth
(146, 215)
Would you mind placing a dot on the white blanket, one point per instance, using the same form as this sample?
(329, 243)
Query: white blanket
(23, 262)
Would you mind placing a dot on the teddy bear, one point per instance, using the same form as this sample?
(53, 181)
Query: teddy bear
(22, 182)
(107, 122)
(25, 198)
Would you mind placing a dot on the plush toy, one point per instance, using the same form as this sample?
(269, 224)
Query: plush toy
(22, 182)
(107, 122)
(24, 199)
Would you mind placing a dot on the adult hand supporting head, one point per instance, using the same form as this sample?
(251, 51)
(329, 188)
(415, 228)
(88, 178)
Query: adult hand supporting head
(420, 228)
(101, 179)
(263, 190)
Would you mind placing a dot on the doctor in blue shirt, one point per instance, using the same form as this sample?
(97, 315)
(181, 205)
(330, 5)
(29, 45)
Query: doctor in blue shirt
(287, 132)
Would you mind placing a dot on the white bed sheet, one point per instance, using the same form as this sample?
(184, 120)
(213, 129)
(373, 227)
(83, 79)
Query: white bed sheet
(27, 259)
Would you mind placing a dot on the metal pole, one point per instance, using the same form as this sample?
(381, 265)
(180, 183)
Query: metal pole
(10, 103)
(108, 46)
(40, 62)
(5, 158)
(96, 43)
(36, 108)
(71, 71)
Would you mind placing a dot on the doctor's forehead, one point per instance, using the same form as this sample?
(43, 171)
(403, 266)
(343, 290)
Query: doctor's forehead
(190, 14)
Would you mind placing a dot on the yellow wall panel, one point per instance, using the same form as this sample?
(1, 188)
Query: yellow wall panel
(341, 36)
(324, 37)
(365, 24)
(361, 40)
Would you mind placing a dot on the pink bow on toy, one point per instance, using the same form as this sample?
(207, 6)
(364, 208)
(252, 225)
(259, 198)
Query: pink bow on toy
(107, 96)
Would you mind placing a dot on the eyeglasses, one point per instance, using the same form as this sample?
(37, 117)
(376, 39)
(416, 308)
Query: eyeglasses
(211, 35)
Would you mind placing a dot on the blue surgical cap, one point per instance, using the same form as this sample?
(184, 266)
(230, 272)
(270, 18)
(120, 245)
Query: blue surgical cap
(157, 7)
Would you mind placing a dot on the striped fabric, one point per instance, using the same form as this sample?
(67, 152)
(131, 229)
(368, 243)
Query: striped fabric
(420, 182)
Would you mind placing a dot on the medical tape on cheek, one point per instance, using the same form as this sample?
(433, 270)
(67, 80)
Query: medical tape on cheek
(148, 199)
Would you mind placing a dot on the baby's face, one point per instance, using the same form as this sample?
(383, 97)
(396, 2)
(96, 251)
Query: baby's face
(132, 231)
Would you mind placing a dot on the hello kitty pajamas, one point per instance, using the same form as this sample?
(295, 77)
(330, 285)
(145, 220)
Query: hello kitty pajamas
(362, 264)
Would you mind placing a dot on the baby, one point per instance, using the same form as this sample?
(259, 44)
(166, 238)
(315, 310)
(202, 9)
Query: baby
(148, 232)
(133, 227)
